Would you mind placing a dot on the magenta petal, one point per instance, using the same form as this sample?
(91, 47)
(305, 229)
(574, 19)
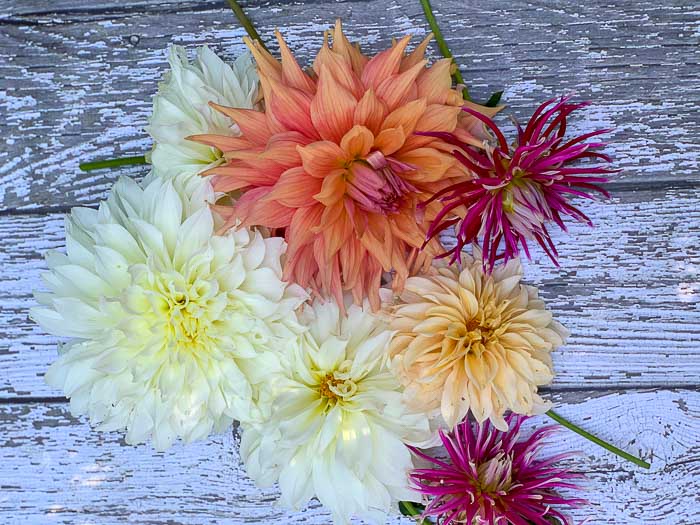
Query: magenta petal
(521, 189)
(496, 477)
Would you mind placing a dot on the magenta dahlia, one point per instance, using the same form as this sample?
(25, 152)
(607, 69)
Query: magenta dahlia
(492, 478)
(518, 189)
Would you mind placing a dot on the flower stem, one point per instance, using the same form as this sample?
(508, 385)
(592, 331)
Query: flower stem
(245, 22)
(409, 509)
(444, 49)
(112, 163)
(607, 446)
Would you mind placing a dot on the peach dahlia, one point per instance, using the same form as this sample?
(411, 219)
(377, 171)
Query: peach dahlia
(334, 160)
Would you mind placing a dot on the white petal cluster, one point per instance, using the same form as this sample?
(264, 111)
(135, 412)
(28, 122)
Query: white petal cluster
(172, 326)
(339, 424)
(181, 108)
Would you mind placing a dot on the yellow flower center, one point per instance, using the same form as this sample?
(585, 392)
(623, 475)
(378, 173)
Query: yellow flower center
(185, 324)
(472, 325)
(508, 203)
(494, 478)
(186, 307)
(506, 189)
(337, 386)
(495, 475)
(473, 335)
(329, 384)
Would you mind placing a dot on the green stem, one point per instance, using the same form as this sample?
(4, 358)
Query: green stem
(607, 446)
(245, 22)
(412, 511)
(112, 163)
(444, 49)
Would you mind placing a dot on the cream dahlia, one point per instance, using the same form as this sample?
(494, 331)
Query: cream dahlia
(468, 340)
(181, 108)
(335, 161)
(171, 327)
(339, 424)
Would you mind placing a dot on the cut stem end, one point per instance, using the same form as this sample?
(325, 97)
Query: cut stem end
(590, 437)
(112, 163)
(245, 22)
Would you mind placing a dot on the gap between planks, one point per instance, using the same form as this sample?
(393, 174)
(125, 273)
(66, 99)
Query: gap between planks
(102, 478)
(547, 392)
(632, 324)
(615, 188)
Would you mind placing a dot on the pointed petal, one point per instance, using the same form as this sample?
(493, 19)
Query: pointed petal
(384, 64)
(292, 108)
(370, 111)
(253, 123)
(333, 107)
(351, 52)
(396, 89)
(357, 142)
(321, 158)
(417, 54)
(435, 83)
(292, 74)
(267, 65)
(295, 188)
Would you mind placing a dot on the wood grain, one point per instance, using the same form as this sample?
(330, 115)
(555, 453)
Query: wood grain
(627, 290)
(57, 470)
(78, 76)
(76, 80)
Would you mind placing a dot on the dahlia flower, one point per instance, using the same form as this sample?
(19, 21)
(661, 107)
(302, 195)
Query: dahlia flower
(172, 327)
(518, 190)
(469, 340)
(181, 108)
(493, 478)
(335, 162)
(339, 424)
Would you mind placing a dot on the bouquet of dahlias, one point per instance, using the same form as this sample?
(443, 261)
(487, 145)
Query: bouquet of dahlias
(287, 264)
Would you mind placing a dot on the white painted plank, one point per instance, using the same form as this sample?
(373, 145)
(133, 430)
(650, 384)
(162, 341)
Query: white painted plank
(78, 78)
(627, 290)
(57, 470)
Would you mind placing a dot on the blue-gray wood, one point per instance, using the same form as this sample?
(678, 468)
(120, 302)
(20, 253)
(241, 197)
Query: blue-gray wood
(76, 80)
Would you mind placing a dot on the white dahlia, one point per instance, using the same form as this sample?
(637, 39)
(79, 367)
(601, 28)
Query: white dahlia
(181, 108)
(172, 326)
(339, 424)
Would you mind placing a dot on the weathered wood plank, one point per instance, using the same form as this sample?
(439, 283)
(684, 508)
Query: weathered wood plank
(627, 290)
(78, 76)
(56, 469)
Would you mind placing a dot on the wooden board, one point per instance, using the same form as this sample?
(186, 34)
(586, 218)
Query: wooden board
(79, 78)
(56, 470)
(76, 80)
(634, 321)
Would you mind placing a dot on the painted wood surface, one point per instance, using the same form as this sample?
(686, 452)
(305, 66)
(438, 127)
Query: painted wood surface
(76, 80)
(79, 75)
(56, 470)
(627, 290)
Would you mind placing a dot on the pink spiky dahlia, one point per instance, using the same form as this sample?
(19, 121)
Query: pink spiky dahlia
(518, 189)
(334, 161)
(492, 478)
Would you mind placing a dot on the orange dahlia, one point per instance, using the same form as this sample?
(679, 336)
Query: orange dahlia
(335, 161)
